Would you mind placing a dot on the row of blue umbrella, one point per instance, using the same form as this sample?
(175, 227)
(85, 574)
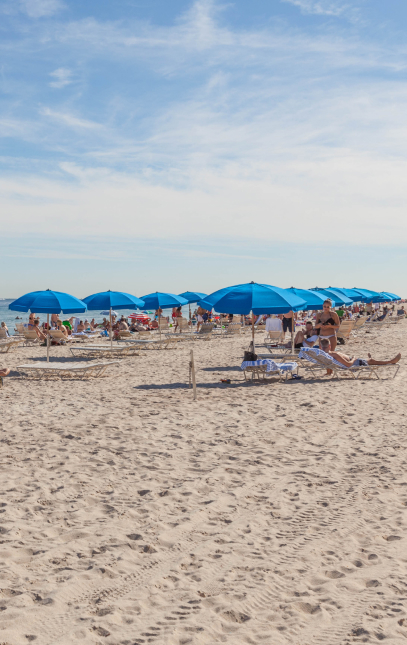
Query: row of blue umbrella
(238, 299)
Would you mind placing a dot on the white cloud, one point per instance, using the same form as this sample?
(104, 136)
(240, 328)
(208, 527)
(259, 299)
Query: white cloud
(69, 119)
(62, 76)
(41, 8)
(320, 7)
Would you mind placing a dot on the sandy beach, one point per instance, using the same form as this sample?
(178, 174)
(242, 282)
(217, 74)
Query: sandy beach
(269, 513)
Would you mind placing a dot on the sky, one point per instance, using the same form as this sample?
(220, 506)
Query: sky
(189, 145)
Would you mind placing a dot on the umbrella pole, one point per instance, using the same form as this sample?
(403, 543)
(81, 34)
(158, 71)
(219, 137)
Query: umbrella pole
(253, 331)
(47, 338)
(159, 322)
(292, 333)
(111, 330)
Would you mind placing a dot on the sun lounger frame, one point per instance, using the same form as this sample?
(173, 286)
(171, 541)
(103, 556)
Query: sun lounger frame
(122, 350)
(65, 370)
(322, 362)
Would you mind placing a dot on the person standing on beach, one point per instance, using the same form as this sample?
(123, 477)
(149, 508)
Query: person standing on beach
(288, 321)
(327, 323)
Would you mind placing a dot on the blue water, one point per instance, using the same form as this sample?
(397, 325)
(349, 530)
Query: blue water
(9, 317)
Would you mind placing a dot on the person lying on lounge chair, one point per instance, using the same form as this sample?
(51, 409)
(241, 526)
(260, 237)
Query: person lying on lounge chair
(352, 361)
(305, 338)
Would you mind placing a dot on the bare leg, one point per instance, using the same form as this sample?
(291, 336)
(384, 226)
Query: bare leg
(5, 372)
(333, 342)
(394, 360)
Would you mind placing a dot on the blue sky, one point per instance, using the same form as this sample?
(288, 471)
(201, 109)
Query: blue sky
(147, 144)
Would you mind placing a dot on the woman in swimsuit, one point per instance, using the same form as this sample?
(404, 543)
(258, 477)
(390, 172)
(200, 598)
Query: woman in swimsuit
(328, 323)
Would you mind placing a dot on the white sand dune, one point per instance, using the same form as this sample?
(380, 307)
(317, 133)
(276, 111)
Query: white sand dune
(270, 513)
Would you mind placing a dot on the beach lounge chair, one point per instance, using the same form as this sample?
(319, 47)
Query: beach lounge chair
(204, 333)
(30, 337)
(58, 336)
(163, 323)
(3, 334)
(165, 342)
(233, 329)
(345, 329)
(359, 323)
(119, 350)
(182, 325)
(269, 367)
(274, 337)
(10, 344)
(321, 360)
(124, 333)
(66, 370)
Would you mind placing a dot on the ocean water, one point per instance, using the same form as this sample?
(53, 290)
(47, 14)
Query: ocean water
(9, 317)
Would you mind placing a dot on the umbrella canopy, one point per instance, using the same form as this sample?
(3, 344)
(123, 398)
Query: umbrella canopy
(390, 296)
(48, 302)
(160, 300)
(313, 299)
(112, 300)
(192, 296)
(349, 293)
(369, 296)
(340, 298)
(258, 298)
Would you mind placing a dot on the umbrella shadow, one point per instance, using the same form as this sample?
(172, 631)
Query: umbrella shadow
(234, 368)
(60, 359)
(185, 386)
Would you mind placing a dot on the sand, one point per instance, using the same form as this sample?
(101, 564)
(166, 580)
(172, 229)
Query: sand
(270, 513)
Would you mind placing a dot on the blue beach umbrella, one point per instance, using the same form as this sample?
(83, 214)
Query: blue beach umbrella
(390, 296)
(313, 299)
(48, 302)
(112, 300)
(258, 298)
(192, 296)
(159, 300)
(349, 293)
(332, 294)
(369, 296)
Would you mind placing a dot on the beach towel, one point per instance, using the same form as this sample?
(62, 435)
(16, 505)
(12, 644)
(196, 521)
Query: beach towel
(272, 366)
(304, 353)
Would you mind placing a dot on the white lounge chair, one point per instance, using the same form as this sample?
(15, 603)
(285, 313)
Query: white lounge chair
(263, 367)
(58, 336)
(119, 350)
(166, 342)
(233, 328)
(321, 360)
(10, 344)
(60, 370)
(345, 330)
(204, 333)
(30, 337)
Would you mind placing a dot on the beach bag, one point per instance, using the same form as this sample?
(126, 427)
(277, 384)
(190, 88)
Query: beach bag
(250, 355)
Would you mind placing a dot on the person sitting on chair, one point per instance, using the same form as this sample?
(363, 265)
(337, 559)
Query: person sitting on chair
(305, 338)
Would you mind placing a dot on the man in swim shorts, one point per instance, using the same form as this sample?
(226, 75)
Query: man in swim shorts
(352, 361)
(305, 338)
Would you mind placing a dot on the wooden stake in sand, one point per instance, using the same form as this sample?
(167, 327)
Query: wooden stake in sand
(192, 374)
